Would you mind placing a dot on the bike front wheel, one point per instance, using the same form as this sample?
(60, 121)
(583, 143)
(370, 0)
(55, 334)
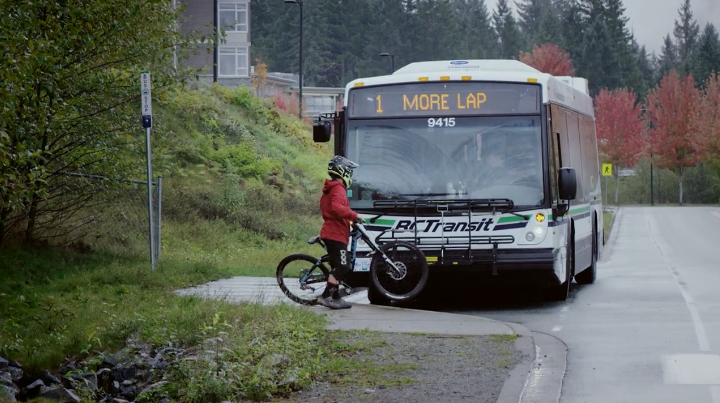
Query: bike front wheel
(302, 278)
(411, 277)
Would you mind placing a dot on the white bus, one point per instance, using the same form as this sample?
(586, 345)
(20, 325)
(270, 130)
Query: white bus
(489, 165)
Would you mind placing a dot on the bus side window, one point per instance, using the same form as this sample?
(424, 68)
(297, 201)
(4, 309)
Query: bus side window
(555, 164)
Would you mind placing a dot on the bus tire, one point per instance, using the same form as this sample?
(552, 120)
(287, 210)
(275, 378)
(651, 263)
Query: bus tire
(376, 298)
(560, 292)
(589, 275)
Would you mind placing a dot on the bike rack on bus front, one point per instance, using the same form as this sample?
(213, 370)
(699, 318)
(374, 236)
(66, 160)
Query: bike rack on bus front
(443, 242)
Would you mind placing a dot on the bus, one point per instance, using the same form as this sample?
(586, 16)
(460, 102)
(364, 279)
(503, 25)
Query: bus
(486, 165)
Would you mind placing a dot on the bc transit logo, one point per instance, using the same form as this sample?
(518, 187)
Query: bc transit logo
(458, 62)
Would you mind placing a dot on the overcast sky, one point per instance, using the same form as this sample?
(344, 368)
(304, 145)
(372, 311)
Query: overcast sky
(651, 20)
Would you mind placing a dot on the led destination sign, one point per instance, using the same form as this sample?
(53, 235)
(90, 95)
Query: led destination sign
(444, 99)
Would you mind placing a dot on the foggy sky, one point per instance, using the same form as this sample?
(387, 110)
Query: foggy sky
(651, 20)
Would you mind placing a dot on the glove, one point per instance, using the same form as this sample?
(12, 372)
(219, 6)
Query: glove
(359, 220)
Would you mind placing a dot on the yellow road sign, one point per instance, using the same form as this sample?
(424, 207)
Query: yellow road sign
(606, 169)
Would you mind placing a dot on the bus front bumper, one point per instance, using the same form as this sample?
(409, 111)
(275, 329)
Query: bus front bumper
(534, 265)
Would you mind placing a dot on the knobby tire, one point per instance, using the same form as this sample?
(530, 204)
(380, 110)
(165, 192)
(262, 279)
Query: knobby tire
(280, 279)
(420, 264)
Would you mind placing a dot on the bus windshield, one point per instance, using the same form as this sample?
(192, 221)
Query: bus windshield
(468, 157)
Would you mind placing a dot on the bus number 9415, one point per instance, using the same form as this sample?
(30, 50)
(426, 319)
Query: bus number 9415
(440, 122)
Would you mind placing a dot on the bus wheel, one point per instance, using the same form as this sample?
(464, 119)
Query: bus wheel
(588, 275)
(376, 298)
(560, 292)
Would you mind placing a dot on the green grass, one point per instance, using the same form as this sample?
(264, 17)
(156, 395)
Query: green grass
(607, 221)
(56, 304)
(241, 185)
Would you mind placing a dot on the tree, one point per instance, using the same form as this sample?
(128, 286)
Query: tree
(619, 129)
(260, 77)
(550, 59)
(530, 13)
(706, 58)
(70, 78)
(707, 116)
(507, 30)
(686, 34)
(671, 108)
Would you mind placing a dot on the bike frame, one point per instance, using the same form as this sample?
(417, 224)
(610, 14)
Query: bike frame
(357, 233)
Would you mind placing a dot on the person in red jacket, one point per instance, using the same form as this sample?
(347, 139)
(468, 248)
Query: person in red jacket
(335, 232)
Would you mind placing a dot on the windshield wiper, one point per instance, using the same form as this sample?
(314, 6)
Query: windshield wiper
(526, 217)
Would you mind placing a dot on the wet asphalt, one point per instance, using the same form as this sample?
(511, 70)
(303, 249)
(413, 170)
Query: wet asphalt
(648, 329)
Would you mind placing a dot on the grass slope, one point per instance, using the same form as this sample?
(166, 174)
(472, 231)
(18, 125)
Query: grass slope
(241, 183)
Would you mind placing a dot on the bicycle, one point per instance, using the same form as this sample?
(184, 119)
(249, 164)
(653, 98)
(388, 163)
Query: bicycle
(397, 271)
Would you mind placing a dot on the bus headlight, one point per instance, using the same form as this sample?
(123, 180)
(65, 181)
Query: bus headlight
(529, 236)
(539, 231)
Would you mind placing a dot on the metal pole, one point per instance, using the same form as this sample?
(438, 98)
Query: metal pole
(652, 190)
(150, 208)
(217, 39)
(146, 98)
(159, 217)
(301, 59)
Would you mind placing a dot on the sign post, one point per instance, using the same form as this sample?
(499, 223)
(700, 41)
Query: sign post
(146, 97)
(606, 171)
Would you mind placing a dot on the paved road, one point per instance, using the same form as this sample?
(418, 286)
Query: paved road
(648, 330)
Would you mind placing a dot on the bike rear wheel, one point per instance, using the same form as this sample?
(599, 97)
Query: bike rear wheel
(413, 275)
(290, 273)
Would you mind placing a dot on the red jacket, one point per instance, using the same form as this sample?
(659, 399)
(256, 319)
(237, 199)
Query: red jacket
(335, 208)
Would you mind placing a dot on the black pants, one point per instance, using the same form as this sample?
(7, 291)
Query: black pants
(339, 261)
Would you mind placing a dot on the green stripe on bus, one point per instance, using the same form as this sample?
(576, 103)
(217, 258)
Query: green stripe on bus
(580, 210)
(381, 221)
(576, 211)
(505, 220)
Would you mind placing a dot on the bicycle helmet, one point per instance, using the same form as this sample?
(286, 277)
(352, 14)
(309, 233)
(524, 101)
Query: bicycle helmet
(342, 168)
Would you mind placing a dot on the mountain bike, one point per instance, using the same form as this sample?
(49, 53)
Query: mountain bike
(398, 270)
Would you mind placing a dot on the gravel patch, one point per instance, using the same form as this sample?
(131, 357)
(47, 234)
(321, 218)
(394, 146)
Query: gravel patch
(419, 368)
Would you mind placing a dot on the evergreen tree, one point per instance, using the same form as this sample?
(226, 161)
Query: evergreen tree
(645, 66)
(571, 28)
(706, 59)
(530, 14)
(507, 30)
(477, 36)
(622, 40)
(668, 58)
(550, 30)
(686, 34)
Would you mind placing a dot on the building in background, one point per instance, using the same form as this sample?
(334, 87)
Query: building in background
(233, 55)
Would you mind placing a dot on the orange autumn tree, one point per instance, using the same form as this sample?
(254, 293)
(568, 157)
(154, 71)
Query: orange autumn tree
(672, 107)
(707, 116)
(549, 59)
(619, 130)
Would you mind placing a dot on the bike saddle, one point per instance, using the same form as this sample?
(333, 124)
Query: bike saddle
(314, 240)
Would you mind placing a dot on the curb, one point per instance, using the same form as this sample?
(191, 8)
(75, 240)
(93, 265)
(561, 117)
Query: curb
(517, 380)
(607, 249)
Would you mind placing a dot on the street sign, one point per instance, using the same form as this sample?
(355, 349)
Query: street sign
(606, 169)
(146, 96)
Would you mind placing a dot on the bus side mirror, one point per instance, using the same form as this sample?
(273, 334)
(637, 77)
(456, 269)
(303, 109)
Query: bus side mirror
(322, 131)
(568, 184)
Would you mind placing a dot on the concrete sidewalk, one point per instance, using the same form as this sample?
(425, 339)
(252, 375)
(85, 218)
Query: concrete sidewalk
(362, 316)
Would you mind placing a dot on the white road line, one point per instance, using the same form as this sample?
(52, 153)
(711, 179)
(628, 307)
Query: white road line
(697, 323)
(557, 328)
(715, 393)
